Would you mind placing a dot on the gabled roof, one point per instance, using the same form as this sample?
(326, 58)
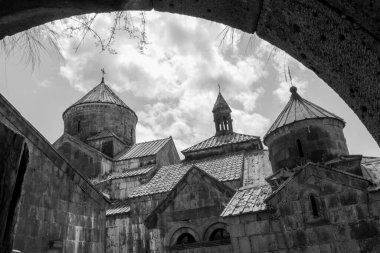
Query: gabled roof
(127, 173)
(104, 134)
(100, 94)
(221, 140)
(143, 149)
(321, 171)
(371, 171)
(68, 138)
(223, 168)
(298, 109)
(249, 199)
(178, 186)
(221, 104)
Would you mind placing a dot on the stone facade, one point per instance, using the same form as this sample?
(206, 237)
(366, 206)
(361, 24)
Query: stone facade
(59, 210)
(311, 140)
(338, 219)
(304, 194)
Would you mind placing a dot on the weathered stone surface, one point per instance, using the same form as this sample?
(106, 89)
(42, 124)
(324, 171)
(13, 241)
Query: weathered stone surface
(13, 162)
(331, 38)
(58, 207)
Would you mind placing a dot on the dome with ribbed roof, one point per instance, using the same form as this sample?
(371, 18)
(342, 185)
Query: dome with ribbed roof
(298, 109)
(304, 132)
(99, 111)
(100, 94)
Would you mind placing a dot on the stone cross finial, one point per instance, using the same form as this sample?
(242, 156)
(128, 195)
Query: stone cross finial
(219, 87)
(103, 74)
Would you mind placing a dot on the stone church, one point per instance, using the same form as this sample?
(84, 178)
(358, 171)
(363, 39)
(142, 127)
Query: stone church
(97, 190)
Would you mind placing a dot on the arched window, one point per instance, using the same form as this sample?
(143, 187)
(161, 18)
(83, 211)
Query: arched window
(314, 206)
(185, 238)
(225, 124)
(299, 146)
(131, 133)
(78, 126)
(220, 234)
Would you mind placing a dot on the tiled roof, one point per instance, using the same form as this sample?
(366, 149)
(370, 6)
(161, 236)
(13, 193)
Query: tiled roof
(118, 208)
(103, 134)
(220, 140)
(221, 104)
(248, 200)
(100, 94)
(143, 149)
(298, 109)
(223, 168)
(128, 173)
(370, 159)
(371, 171)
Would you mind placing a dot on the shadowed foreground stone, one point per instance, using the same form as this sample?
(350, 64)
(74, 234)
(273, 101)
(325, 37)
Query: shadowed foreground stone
(13, 161)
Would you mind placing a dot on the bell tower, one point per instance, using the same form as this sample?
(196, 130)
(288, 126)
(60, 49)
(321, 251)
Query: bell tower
(222, 116)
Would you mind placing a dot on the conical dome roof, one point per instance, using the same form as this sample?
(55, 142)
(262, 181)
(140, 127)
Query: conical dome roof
(221, 104)
(100, 94)
(298, 109)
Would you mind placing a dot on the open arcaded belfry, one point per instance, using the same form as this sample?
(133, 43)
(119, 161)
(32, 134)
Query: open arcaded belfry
(97, 190)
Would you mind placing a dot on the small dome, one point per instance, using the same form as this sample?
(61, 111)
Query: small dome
(304, 132)
(98, 111)
(298, 109)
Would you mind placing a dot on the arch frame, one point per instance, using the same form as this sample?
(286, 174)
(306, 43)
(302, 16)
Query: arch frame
(210, 229)
(179, 231)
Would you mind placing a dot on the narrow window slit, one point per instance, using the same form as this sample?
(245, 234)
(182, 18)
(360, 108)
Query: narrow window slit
(299, 146)
(314, 206)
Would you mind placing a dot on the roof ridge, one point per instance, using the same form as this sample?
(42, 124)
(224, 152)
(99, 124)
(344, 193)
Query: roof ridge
(218, 137)
(214, 157)
(143, 149)
(152, 140)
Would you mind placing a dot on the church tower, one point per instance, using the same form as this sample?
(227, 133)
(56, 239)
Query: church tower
(222, 116)
(304, 132)
(102, 120)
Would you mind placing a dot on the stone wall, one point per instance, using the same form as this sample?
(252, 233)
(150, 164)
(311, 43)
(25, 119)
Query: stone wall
(88, 160)
(340, 220)
(111, 146)
(59, 209)
(168, 154)
(14, 157)
(128, 232)
(119, 188)
(87, 120)
(193, 206)
(123, 165)
(313, 140)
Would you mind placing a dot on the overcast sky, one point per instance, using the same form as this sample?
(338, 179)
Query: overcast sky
(172, 87)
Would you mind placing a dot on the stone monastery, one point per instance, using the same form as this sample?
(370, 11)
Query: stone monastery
(96, 190)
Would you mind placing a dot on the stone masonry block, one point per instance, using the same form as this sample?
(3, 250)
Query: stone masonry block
(258, 227)
(244, 245)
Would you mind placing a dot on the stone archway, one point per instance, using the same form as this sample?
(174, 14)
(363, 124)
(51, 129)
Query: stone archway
(337, 39)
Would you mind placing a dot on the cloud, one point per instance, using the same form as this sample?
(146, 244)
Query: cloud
(44, 83)
(176, 77)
